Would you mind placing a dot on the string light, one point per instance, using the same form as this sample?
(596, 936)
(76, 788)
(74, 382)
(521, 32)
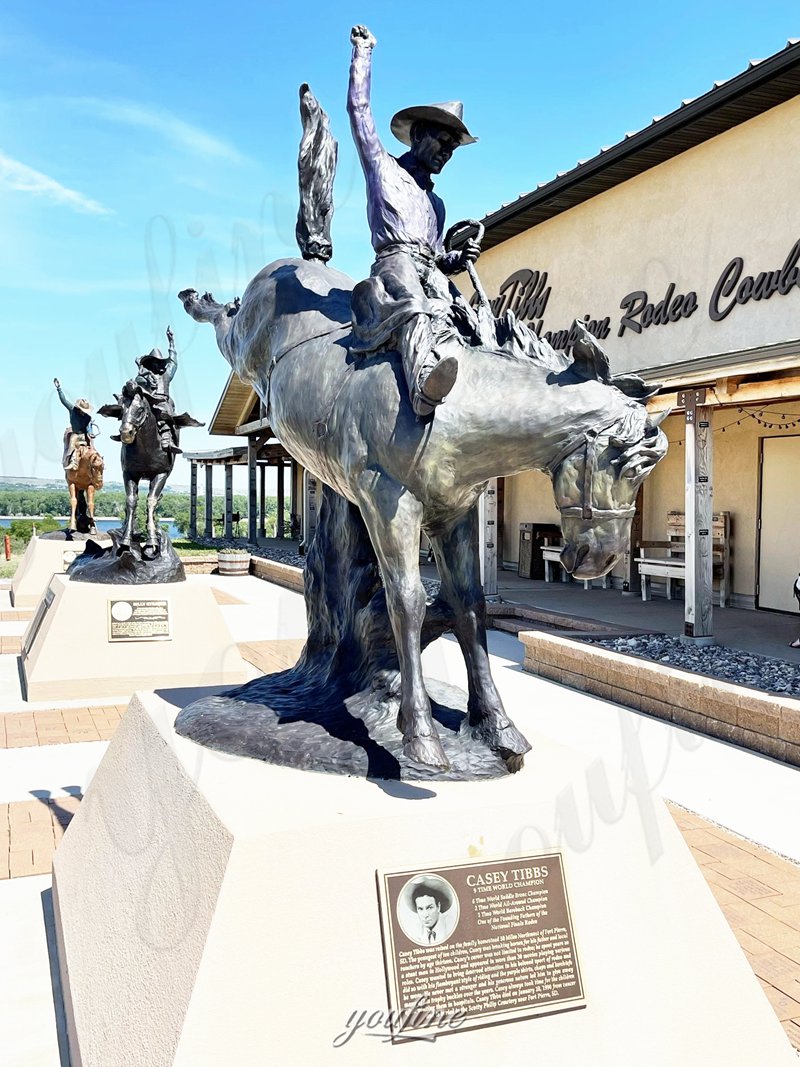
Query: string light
(793, 421)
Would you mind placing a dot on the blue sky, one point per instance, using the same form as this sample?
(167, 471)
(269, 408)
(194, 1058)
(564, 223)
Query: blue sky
(146, 148)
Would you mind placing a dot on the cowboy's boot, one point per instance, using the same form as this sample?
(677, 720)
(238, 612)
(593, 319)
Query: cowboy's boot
(429, 378)
(433, 384)
(168, 442)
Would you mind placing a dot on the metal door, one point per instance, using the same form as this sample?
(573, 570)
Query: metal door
(779, 523)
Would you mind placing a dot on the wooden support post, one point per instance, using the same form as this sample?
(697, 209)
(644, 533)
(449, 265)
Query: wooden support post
(262, 501)
(252, 501)
(310, 506)
(296, 505)
(698, 614)
(193, 500)
(228, 524)
(487, 534)
(279, 532)
(209, 525)
(631, 582)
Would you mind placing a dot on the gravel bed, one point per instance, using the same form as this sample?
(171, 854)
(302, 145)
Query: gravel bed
(717, 661)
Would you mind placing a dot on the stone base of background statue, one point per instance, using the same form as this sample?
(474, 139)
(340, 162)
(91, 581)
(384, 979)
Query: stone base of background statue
(46, 555)
(90, 640)
(134, 566)
(212, 910)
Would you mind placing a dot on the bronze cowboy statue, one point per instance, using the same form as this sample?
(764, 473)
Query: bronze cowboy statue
(404, 401)
(149, 432)
(407, 299)
(155, 375)
(82, 463)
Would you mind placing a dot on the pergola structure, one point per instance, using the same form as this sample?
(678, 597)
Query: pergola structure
(239, 413)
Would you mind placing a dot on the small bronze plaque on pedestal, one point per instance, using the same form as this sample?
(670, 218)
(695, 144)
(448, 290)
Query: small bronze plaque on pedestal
(68, 557)
(477, 943)
(138, 620)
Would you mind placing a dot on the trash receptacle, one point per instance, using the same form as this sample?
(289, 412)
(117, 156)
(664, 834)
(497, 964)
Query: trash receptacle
(531, 538)
(525, 567)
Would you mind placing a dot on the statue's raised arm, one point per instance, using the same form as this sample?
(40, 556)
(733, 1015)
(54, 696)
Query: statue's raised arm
(359, 108)
(172, 356)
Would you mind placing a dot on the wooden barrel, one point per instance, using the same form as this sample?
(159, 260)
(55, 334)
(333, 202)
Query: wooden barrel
(232, 562)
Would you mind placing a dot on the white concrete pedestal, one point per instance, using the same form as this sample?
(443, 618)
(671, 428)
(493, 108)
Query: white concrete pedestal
(43, 558)
(68, 649)
(213, 910)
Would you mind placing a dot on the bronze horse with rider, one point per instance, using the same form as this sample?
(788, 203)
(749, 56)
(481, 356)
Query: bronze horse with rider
(149, 432)
(371, 420)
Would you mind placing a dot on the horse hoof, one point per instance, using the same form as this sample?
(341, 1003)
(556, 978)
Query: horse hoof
(505, 740)
(122, 548)
(149, 552)
(428, 751)
(514, 763)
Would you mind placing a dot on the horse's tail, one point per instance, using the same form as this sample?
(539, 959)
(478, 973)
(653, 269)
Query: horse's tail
(316, 165)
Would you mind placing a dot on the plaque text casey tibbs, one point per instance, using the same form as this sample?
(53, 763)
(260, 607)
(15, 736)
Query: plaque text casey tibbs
(489, 941)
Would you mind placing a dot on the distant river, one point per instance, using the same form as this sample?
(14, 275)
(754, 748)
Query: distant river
(102, 524)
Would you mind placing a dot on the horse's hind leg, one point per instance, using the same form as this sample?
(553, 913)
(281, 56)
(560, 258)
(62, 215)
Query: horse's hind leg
(205, 308)
(90, 508)
(150, 549)
(392, 517)
(456, 550)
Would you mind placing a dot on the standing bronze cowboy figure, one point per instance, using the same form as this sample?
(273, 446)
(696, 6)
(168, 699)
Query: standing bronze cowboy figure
(82, 463)
(407, 300)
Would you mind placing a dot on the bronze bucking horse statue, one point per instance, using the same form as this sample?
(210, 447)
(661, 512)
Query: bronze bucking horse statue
(517, 405)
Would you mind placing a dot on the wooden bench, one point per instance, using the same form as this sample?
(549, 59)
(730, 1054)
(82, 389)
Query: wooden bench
(667, 559)
(552, 554)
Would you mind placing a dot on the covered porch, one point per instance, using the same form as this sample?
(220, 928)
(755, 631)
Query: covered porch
(257, 455)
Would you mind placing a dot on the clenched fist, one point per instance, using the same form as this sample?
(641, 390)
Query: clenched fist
(360, 37)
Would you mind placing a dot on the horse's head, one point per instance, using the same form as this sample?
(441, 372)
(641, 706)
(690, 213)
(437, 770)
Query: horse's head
(595, 485)
(134, 411)
(597, 474)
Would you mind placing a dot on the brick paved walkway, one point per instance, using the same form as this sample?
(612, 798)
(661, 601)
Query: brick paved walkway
(58, 726)
(271, 656)
(29, 833)
(759, 894)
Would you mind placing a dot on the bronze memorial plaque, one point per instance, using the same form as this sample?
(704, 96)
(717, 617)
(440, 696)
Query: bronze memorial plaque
(68, 557)
(138, 620)
(477, 943)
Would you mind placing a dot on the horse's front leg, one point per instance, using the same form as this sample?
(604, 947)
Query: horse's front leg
(151, 547)
(131, 500)
(392, 517)
(73, 507)
(456, 550)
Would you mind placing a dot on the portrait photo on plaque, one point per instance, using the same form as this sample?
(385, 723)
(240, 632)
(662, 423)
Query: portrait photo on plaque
(427, 909)
(476, 944)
